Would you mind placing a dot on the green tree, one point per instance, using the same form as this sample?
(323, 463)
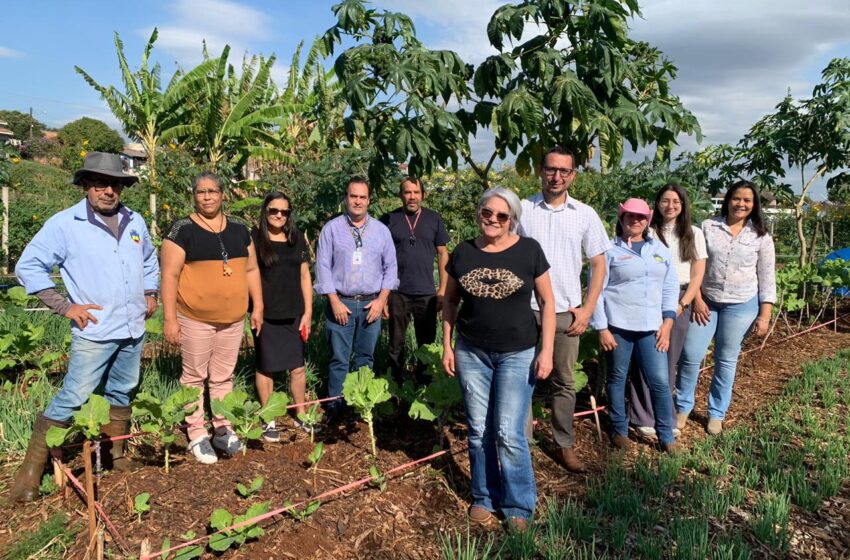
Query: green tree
(809, 136)
(85, 135)
(146, 110)
(19, 123)
(580, 82)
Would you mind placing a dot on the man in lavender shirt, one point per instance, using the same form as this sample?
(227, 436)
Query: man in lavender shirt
(356, 269)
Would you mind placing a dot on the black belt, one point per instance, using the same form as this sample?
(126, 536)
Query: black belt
(359, 297)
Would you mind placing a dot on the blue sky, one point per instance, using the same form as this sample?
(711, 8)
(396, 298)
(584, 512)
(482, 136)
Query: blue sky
(736, 59)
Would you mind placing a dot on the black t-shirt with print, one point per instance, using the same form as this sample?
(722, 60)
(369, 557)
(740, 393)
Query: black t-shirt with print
(495, 291)
(282, 296)
(416, 260)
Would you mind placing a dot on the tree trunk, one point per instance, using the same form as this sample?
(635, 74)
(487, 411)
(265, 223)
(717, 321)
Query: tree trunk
(801, 235)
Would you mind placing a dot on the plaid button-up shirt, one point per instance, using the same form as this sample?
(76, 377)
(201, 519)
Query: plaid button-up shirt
(564, 232)
(738, 267)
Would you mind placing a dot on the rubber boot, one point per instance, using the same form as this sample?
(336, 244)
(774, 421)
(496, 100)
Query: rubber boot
(114, 452)
(28, 477)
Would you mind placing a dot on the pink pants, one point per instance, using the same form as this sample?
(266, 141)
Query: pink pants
(209, 354)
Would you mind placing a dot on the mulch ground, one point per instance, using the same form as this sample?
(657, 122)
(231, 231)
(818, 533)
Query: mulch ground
(403, 521)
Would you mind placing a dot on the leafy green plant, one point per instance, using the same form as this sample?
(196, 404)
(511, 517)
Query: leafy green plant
(302, 514)
(247, 417)
(312, 418)
(770, 522)
(379, 480)
(142, 504)
(222, 519)
(184, 553)
(87, 421)
(47, 486)
(161, 419)
(458, 546)
(363, 391)
(253, 489)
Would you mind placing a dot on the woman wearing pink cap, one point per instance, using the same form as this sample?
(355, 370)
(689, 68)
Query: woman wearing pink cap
(634, 316)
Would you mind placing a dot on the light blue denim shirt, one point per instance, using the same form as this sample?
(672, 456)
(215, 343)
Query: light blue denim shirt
(638, 287)
(96, 267)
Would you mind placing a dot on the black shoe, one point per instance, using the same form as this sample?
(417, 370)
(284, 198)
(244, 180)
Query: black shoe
(333, 415)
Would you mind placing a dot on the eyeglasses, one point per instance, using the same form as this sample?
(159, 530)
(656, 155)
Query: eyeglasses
(208, 192)
(564, 171)
(285, 212)
(488, 214)
(99, 185)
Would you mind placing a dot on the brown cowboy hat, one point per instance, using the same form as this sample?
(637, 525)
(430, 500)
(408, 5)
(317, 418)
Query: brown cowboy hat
(102, 163)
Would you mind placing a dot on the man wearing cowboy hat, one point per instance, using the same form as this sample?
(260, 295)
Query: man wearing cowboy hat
(109, 267)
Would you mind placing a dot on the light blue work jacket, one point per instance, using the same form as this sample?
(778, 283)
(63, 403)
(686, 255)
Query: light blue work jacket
(96, 267)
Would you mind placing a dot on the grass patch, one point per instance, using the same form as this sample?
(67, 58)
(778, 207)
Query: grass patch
(49, 541)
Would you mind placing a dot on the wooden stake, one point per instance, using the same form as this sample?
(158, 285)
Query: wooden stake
(58, 475)
(145, 549)
(100, 542)
(596, 416)
(89, 488)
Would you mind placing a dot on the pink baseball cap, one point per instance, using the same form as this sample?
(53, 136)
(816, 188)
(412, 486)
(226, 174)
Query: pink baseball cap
(634, 206)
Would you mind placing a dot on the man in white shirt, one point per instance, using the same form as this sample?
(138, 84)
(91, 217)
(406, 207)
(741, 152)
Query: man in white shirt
(565, 227)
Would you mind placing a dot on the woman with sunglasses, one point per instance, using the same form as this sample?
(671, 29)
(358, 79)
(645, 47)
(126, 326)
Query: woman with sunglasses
(492, 278)
(209, 268)
(287, 305)
(738, 294)
(671, 225)
(634, 316)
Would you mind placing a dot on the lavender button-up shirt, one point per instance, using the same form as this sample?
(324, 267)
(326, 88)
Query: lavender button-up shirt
(738, 267)
(339, 271)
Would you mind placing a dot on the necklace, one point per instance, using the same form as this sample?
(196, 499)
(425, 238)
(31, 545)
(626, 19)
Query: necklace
(226, 270)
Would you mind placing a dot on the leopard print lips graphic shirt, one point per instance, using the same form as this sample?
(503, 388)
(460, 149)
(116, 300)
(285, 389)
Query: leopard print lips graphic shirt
(495, 293)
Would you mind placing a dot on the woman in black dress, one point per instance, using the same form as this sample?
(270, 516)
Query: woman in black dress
(288, 304)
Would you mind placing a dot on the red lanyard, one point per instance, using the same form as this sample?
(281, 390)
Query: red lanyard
(412, 237)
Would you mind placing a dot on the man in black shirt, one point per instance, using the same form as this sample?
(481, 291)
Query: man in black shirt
(419, 235)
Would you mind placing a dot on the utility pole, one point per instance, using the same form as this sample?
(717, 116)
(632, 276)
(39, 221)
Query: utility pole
(31, 122)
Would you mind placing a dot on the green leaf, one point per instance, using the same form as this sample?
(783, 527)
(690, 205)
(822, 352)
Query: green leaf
(92, 415)
(141, 503)
(220, 542)
(421, 411)
(275, 406)
(220, 519)
(56, 436)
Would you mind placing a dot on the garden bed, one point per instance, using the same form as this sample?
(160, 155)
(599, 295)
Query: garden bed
(403, 521)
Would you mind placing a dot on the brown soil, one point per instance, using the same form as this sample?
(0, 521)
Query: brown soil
(404, 520)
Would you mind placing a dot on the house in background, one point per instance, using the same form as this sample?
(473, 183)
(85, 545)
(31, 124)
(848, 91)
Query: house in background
(7, 136)
(135, 157)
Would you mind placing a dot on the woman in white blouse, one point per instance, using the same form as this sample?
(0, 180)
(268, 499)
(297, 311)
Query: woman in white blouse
(671, 224)
(739, 288)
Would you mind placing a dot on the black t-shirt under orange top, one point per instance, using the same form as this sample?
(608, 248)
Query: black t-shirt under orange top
(204, 292)
(416, 259)
(282, 296)
(495, 293)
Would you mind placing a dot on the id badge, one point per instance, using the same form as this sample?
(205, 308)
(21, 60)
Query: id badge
(357, 257)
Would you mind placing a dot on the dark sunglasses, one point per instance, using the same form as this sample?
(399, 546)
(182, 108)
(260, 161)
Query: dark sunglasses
(501, 217)
(278, 212)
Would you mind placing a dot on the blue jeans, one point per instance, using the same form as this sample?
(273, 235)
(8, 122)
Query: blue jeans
(654, 365)
(112, 362)
(497, 388)
(358, 335)
(728, 325)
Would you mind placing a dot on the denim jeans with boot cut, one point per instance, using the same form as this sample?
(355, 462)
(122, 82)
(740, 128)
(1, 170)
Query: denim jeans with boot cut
(497, 388)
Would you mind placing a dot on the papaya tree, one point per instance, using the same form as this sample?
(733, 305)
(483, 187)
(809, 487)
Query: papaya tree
(580, 82)
(810, 137)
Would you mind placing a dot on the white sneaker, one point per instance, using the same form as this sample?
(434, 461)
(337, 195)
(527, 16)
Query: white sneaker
(646, 431)
(227, 442)
(202, 450)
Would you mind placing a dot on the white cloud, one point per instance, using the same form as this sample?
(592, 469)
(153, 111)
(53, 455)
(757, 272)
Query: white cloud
(6, 52)
(218, 22)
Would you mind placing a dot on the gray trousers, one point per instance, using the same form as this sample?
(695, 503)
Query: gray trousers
(639, 407)
(563, 387)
